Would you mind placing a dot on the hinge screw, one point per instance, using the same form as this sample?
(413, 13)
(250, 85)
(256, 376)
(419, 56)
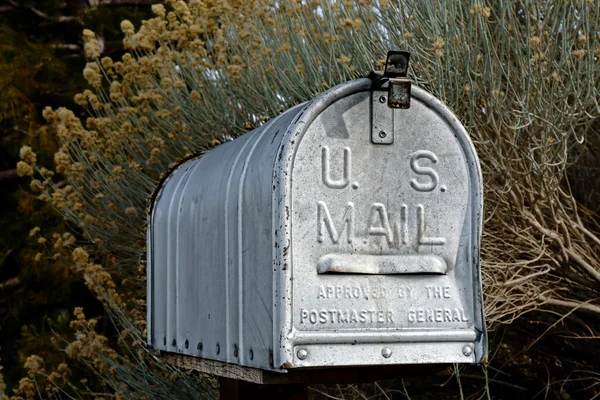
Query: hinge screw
(386, 352)
(382, 134)
(302, 354)
(467, 351)
(382, 99)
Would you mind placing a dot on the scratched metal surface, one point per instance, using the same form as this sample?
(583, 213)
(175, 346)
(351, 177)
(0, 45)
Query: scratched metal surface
(318, 240)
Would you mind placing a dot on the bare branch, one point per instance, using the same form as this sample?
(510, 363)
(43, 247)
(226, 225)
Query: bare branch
(10, 282)
(43, 15)
(68, 46)
(572, 304)
(122, 3)
(8, 174)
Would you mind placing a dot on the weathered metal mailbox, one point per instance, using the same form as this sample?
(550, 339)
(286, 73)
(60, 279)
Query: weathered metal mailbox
(343, 232)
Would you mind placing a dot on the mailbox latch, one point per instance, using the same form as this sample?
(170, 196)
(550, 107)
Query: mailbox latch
(397, 96)
(396, 67)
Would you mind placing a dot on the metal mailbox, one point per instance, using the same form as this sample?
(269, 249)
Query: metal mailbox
(343, 232)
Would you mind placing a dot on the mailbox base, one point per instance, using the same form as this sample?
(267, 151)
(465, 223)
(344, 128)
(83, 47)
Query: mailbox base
(363, 374)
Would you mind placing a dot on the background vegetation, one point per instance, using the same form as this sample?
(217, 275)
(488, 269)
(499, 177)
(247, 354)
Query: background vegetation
(522, 76)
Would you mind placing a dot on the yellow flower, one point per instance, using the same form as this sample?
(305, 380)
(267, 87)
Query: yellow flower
(158, 9)
(438, 46)
(81, 259)
(579, 53)
(91, 45)
(479, 9)
(27, 388)
(344, 60)
(87, 34)
(27, 155)
(34, 231)
(127, 27)
(107, 63)
(351, 23)
(33, 364)
(36, 185)
(62, 161)
(91, 73)
(535, 41)
(24, 169)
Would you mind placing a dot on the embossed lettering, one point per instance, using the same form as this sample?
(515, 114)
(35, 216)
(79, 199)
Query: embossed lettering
(326, 169)
(438, 292)
(352, 316)
(358, 292)
(323, 316)
(422, 170)
(437, 315)
(303, 315)
(404, 292)
(324, 220)
(404, 223)
(421, 226)
(321, 293)
(379, 223)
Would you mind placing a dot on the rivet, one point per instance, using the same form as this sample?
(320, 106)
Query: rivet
(251, 354)
(382, 134)
(187, 344)
(174, 342)
(302, 354)
(218, 348)
(164, 341)
(235, 350)
(467, 351)
(382, 99)
(199, 346)
(386, 352)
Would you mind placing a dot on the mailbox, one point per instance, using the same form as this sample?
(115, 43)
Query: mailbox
(343, 232)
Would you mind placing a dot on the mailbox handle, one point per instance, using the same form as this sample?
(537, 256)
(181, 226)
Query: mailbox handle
(381, 264)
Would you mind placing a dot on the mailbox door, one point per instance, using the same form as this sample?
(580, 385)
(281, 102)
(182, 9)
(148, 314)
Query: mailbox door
(382, 254)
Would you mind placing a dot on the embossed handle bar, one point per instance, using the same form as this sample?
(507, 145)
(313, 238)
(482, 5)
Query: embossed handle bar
(381, 264)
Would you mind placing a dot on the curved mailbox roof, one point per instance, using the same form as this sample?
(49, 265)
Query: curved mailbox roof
(340, 233)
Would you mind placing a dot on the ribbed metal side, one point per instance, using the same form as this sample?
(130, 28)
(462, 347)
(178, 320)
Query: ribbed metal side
(209, 295)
